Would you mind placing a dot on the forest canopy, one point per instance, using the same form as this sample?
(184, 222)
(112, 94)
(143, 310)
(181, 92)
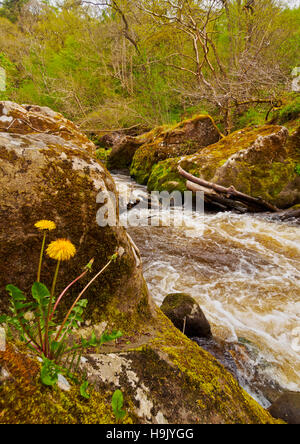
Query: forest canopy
(119, 63)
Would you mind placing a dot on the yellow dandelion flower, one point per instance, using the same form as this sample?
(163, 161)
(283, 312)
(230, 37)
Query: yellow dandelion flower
(45, 225)
(61, 250)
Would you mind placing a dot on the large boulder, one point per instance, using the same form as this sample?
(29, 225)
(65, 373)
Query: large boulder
(47, 174)
(185, 138)
(122, 153)
(261, 162)
(186, 315)
(28, 119)
(166, 379)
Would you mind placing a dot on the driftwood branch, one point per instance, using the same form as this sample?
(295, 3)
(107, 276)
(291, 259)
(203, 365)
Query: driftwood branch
(228, 197)
(113, 130)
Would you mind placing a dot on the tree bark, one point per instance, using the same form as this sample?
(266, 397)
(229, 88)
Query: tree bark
(228, 194)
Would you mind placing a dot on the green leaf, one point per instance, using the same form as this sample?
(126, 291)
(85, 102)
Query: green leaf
(4, 319)
(15, 293)
(83, 390)
(93, 342)
(49, 373)
(117, 402)
(40, 293)
(106, 337)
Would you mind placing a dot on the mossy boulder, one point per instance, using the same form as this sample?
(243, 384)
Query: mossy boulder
(259, 161)
(44, 176)
(185, 138)
(186, 315)
(123, 150)
(167, 379)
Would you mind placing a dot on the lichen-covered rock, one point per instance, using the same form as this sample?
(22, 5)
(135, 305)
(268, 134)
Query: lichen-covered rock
(287, 407)
(44, 176)
(260, 162)
(24, 400)
(186, 315)
(169, 379)
(185, 138)
(33, 119)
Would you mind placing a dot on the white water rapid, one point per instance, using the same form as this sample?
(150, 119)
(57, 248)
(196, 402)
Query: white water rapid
(244, 271)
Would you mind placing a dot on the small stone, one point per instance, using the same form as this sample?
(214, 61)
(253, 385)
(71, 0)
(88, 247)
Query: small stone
(287, 407)
(63, 384)
(4, 375)
(186, 315)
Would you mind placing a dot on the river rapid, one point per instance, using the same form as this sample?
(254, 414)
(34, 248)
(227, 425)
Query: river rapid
(244, 271)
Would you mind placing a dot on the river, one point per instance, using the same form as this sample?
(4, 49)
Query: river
(244, 271)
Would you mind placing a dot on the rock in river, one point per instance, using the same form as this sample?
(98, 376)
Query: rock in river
(186, 315)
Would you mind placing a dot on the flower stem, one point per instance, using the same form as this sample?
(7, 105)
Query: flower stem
(46, 341)
(65, 291)
(41, 257)
(78, 298)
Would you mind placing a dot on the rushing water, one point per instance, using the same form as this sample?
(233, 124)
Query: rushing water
(243, 270)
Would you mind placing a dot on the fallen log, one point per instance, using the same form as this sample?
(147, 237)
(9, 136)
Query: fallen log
(212, 198)
(231, 194)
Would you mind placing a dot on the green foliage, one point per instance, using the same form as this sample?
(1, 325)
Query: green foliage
(11, 9)
(252, 117)
(102, 154)
(35, 322)
(83, 390)
(297, 169)
(290, 111)
(10, 74)
(117, 405)
(49, 372)
(78, 61)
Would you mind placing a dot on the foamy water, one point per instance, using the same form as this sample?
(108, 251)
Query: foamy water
(243, 270)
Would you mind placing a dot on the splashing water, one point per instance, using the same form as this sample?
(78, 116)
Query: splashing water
(243, 270)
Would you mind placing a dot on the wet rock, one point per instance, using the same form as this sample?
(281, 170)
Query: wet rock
(186, 315)
(260, 162)
(218, 349)
(109, 140)
(287, 407)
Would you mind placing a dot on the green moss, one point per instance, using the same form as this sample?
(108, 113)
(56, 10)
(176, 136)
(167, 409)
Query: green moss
(102, 154)
(290, 111)
(181, 139)
(218, 397)
(24, 400)
(260, 174)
